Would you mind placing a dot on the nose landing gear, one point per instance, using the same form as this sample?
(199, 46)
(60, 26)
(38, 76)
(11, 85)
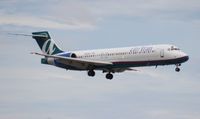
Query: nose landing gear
(177, 67)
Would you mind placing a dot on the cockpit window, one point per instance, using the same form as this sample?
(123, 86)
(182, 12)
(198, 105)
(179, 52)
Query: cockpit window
(174, 48)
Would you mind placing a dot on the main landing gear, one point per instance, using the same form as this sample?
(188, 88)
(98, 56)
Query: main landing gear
(92, 74)
(109, 76)
(177, 69)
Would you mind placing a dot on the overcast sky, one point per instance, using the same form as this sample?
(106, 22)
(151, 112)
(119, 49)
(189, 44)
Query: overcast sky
(30, 90)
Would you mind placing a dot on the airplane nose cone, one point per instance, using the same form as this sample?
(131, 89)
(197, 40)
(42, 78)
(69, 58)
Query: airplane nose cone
(186, 58)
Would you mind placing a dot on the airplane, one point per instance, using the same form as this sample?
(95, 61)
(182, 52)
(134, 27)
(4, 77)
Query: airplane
(109, 61)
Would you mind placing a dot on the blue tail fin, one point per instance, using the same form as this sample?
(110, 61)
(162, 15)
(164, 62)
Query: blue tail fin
(46, 44)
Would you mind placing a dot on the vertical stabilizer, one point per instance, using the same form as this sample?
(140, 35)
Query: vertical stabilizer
(46, 44)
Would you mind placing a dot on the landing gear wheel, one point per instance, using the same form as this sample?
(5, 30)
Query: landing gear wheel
(109, 76)
(91, 73)
(177, 69)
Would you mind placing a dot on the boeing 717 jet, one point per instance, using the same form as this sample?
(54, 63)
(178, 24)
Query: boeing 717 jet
(109, 61)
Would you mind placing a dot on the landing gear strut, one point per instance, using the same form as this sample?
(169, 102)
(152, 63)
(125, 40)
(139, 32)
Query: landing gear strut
(109, 76)
(177, 67)
(91, 73)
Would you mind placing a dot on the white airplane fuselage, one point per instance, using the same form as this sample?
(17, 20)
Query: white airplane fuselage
(150, 55)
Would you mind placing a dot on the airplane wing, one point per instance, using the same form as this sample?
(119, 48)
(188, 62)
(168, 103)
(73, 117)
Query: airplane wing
(76, 62)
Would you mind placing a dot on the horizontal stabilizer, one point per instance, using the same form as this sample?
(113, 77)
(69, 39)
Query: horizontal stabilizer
(31, 35)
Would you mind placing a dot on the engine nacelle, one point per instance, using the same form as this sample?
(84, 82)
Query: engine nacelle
(48, 61)
(51, 61)
(73, 55)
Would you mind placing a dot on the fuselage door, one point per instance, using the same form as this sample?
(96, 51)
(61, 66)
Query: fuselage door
(162, 53)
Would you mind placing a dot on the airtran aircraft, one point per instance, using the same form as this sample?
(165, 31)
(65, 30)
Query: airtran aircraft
(109, 61)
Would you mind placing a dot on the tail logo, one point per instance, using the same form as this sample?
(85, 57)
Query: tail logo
(49, 47)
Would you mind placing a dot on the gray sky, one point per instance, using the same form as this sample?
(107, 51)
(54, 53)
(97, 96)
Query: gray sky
(31, 90)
